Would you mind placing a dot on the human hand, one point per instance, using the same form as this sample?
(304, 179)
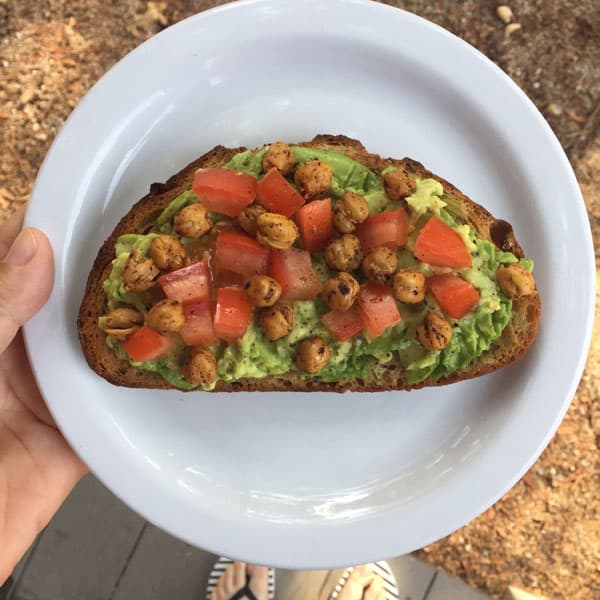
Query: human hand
(37, 467)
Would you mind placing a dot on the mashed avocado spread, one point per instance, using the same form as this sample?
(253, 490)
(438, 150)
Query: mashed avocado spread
(254, 356)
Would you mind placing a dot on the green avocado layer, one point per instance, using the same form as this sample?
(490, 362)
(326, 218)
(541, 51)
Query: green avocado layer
(256, 357)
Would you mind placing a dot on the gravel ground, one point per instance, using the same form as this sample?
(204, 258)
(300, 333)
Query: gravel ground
(543, 535)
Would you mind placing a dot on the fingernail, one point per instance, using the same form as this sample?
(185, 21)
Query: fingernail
(22, 250)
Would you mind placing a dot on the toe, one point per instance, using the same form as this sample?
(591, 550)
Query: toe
(228, 578)
(239, 575)
(356, 583)
(220, 591)
(375, 591)
(259, 581)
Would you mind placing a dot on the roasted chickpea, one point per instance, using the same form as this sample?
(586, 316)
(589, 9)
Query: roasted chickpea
(380, 264)
(515, 280)
(398, 184)
(312, 354)
(313, 178)
(277, 321)
(139, 273)
(124, 317)
(348, 212)
(279, 156)
(166, 317)
(200, 367)
(276, 231)
(435, 332)
(340, 291)
(192, 221)
(168, 253)
(263, 290)
(344, 253)
(408, 286)
(122, 322)
(247, 218)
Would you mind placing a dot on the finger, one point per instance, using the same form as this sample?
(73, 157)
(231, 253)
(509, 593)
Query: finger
(26, 278)
(9, 231)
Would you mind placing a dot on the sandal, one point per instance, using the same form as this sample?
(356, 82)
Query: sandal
(244, 593)
(381, 569)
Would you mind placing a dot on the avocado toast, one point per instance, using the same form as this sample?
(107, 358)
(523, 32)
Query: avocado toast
(309, 266)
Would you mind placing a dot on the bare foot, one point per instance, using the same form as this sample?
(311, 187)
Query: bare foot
(362, 584)
(234, 579)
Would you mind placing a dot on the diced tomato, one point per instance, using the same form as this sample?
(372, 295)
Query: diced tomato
(224, 191)
(197, 328)
(455, 296)
(233, 314)
(388, 228)
(343, 324)
(439, 245)
(315, 221)
(378, 308)
(239, 253)
(294, 271)
(277, 195)
(190, 284)
(147, 344)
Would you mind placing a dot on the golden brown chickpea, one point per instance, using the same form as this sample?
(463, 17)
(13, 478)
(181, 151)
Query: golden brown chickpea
(515, 280)
(139, 273)
(168, 253)
(409, 286)
(344, 253)
(313, 178)
(166, 317)
(200, 367)
(279, 156)
(247, 218)
(312, 354)
(348, 212)
(340, 291)
(380, 264)
(435, 332)
(192, 221)
(124, 317)
(277, 321)
(122, 322)
(398, 184)
(263, 290)
(276, 231)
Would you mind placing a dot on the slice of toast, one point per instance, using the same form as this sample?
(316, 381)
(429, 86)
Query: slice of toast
(514, 341)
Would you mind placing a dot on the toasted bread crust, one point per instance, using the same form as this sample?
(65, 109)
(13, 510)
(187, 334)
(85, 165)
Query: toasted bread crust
(512, 344)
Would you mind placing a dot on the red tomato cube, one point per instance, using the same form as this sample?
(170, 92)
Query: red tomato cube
(378, 308)
(224, 191)
(343, 324)
(233, 314)
(315, 221)
(455, 296)
(294, 271)
(388, 228)
(239, 253)
(439, 245)
(277, 195)
(198, 328)
(147, 344)
(190, 284)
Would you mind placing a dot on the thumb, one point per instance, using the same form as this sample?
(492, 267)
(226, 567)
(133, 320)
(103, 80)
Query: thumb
(26, 278)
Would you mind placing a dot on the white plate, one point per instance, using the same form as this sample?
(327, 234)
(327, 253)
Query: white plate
(312, 480)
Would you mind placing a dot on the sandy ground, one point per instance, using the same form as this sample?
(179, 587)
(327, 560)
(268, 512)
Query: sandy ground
(544, 534)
